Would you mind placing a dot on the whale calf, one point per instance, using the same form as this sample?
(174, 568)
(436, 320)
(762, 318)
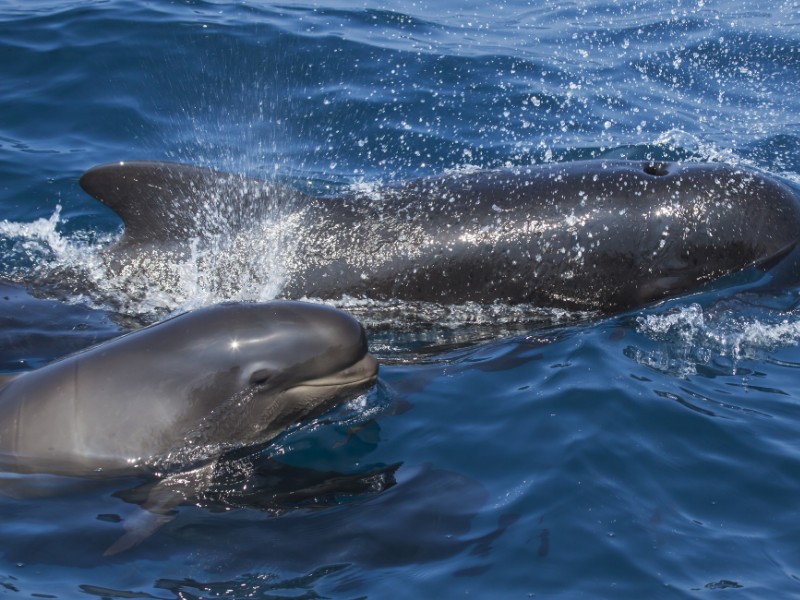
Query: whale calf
(179, 394)
(599, 235)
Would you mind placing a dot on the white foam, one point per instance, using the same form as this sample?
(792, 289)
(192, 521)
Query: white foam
(691, 336)
(246, 266)
(219, 265)
(397, 313)
(39, 248)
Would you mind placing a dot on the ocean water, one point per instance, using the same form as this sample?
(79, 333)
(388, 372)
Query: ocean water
(650, 454)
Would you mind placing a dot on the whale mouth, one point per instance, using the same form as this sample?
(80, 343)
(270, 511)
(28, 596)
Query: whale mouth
(314, 397)
(362, 373)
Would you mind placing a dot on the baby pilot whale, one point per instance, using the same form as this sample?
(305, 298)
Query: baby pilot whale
(184, 392)
(600, 235)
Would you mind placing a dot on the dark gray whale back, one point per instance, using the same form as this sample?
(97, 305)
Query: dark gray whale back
(600, 235)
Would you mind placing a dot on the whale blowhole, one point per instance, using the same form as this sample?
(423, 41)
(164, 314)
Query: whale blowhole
(657, 169)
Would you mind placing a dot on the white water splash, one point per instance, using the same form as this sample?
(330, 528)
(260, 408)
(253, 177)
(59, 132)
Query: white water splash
(691, 337)
(678, 140)
(40, 240)
(377, 314)
(242, 266)
(38, 248)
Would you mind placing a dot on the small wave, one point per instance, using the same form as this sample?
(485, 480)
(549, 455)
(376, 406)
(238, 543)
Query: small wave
(678, 140)
(691, 337)
(39, 238)
(35, 250)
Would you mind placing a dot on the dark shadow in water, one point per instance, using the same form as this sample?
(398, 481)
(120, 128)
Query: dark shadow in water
(288, 520)
(423, 518)
(275, 487)
(426, 516)
(266, 586)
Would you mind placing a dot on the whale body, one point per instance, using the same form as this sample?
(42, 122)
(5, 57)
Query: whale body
(184, 392)
(599, 235)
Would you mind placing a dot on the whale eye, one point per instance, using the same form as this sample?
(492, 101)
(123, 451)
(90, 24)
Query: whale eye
(260, 377)
(657, 169)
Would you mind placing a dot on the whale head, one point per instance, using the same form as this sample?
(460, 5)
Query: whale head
(252, 370)
(290, 360)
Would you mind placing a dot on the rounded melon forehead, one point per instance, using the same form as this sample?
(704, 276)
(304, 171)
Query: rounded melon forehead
(280, 334)
(279, 319)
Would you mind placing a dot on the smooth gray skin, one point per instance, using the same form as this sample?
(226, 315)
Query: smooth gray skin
(602, 235)
(177, 394)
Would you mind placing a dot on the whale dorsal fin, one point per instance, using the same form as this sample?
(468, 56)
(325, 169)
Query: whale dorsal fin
(166, 202)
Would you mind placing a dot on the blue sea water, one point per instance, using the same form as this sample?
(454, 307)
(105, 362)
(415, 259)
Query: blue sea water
(651, 454)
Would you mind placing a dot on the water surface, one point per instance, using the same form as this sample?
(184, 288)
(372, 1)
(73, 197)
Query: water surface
(651, 454)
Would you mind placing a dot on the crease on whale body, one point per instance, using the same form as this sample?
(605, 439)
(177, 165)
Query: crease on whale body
(599, 235)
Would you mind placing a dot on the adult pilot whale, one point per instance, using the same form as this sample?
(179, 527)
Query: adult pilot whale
(602, 235)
